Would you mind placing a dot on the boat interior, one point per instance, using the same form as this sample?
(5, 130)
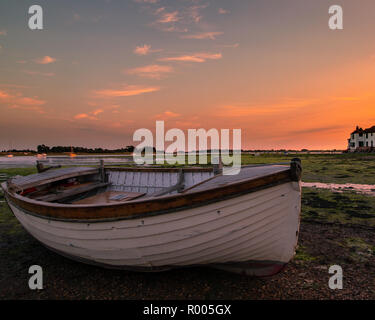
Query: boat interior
(89, 185)
(93, 185)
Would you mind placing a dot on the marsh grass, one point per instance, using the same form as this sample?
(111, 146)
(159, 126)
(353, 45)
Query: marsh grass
(326, 168)
(8, 223)
(345, 208)
(18, 171)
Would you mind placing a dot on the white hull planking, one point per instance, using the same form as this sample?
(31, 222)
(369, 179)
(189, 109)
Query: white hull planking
(259, 226)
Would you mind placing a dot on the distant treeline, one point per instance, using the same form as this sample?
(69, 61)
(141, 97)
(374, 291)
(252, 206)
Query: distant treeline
(63, 149)
(20, 151)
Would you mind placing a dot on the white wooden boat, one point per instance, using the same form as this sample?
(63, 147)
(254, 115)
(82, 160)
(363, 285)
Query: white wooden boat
(152, 219)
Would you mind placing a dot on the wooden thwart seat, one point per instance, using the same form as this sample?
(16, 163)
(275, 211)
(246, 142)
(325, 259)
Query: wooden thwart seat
(110, 197)
(34, 180)
(60, 195)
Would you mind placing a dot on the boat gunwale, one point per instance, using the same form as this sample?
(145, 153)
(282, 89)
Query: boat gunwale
(140, 208)
(160, 169)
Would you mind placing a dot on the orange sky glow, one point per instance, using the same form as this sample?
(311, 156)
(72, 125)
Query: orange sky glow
(102, 69)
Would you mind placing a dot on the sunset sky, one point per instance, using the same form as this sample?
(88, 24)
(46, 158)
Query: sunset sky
(102, 69)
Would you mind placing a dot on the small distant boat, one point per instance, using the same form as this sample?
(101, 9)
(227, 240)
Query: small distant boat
(154, 219)
(10, 155)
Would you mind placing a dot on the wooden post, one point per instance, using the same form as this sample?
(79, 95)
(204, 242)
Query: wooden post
(102, 171)
(218, 168)
(296, 169)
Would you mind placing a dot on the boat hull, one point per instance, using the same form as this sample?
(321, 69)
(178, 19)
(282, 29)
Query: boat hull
(255, 234)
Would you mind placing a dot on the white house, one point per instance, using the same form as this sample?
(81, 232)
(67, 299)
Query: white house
(363, 139)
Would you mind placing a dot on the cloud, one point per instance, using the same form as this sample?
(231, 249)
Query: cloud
(197, 57)
(4, 95)
(3, 32)
(93, 114)
(45, 60)
(277, 107)
(202, 35)
(188, 123)
(81, 116)
(126, 91)
(142, 51)
(168, 17)
(145, 50)
(194, 14)
(90, 116)
(223, 11)
(96, 112)
(172, 20)
(169, 21)
(317, 129)
(29, 101)
(18, 101)
(167, 115)
(154, 71)
(176, 16)
(18, 98)
(37, 109)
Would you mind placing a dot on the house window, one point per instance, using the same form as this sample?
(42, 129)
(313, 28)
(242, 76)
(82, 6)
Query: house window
(372, 143)
(360, 143)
